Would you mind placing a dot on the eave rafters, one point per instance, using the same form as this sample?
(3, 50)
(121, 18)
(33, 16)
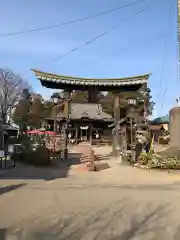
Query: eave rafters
(53, 78)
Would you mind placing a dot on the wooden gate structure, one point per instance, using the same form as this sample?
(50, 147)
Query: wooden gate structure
(124, 90)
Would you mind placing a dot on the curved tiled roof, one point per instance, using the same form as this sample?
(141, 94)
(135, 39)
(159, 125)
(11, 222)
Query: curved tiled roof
(161, 120)
(87, 110)
(54, 78)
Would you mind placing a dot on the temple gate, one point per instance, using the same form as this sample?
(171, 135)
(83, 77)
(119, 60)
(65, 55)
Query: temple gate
(84, 121)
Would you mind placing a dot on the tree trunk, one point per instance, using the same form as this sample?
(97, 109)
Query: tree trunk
(4, 118)
(1, 136)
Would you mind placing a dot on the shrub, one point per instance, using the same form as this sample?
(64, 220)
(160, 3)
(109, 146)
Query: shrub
(41, 156)
(164, 163)
(17, 157)
(144, 158)
(157, 161)
(36, 154)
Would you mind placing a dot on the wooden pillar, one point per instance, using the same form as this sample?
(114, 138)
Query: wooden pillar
(58, 127)
(124, 141)
(93, 94)
(67, 112)
(116, 146)
(90, 140)
(76, 136)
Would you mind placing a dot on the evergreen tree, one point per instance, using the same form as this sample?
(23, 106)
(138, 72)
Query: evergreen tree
(35, 114)
(21, 114)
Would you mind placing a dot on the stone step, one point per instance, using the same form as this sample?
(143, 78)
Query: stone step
(98, 157)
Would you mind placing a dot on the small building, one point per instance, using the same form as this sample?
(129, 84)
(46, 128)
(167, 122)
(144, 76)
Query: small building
(10, 130)
(159, 126)
(7, 132)
(87, 122)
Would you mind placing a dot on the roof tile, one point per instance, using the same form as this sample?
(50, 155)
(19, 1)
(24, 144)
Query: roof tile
(87, 110)
(49, 77)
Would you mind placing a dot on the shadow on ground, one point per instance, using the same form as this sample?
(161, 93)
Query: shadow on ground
(116, 222)
(58, 169)
(10, 188)
(141, 187)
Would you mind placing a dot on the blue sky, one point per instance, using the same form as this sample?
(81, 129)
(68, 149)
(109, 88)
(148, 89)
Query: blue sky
(136, 47)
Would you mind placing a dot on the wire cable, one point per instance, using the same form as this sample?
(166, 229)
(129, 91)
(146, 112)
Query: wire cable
(164, 95)
(72, 21)
(178, 50)
(164, 57)
(100, 35)
(144, 42)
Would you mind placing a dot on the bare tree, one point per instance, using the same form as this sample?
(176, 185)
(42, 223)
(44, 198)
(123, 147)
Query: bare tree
(11, 87)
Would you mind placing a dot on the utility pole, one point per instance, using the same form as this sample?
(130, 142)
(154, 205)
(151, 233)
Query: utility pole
(178, 67)
(175, 111)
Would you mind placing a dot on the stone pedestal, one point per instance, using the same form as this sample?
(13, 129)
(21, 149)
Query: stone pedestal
(174, 127)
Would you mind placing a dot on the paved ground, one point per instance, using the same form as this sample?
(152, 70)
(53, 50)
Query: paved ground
(118, 203)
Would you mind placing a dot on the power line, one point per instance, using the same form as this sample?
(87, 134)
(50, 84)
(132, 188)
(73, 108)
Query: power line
(99, 36)
(164, 57)
(72, 21)
(144, 42)
(164, 95)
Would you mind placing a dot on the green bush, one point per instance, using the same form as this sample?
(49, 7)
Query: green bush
(38, 157)
(17, 157)
(144, 158)
(29, 153)
(41, 156)
(164, 163)
(157, 161)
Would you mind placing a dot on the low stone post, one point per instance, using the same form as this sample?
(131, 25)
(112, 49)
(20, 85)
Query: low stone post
(91, 166)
